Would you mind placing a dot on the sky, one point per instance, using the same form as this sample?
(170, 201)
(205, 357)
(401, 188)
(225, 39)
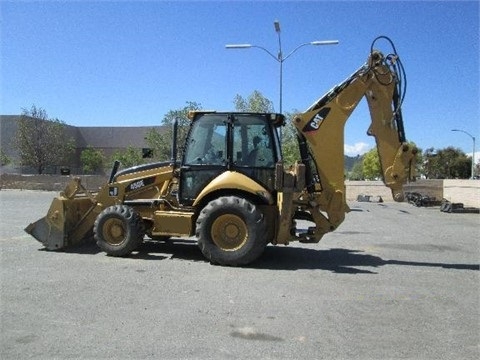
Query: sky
(128, 63)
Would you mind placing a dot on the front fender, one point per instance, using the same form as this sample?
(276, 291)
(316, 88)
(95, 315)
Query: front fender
(232, 180)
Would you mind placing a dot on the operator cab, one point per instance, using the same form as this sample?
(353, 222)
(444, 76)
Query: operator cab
(218, 141)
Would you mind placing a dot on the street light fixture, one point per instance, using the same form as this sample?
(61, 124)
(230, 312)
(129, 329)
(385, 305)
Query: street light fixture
(280, 58)
(473, 153)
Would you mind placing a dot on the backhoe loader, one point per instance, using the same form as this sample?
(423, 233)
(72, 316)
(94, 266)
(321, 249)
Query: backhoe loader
(230, 189)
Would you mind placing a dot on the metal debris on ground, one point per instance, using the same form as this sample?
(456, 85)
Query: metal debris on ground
(369, 198)
(418, 199)
(449, 207)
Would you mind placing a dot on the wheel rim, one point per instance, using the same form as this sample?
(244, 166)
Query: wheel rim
(114, 231)
(229, 232)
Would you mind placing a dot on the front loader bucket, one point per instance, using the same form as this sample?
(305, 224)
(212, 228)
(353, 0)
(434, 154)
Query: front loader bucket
(69, 221)
(47, 233)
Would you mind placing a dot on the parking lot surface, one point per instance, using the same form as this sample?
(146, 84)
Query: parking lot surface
(393, 282)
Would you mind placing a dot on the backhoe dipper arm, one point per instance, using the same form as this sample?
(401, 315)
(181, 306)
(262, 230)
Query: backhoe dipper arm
(321, 137)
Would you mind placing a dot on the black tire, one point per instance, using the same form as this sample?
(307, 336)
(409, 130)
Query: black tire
(119, 230)
(231, 231)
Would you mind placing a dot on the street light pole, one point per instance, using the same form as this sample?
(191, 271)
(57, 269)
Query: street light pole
(473, 153)
(280, 58)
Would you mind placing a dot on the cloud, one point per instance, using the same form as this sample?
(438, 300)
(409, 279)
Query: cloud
(359, 148)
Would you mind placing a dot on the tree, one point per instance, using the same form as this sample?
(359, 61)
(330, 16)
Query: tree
(161, 142)
(357, 171)
(255, 102)
(371, 168)
(447, 163)
(371, 165)
(128, 157)
(290, 149)
(41, 141)
(430, 165)
(4, 159)
(92, 160)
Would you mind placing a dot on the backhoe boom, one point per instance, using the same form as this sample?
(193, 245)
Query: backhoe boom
(320, 131)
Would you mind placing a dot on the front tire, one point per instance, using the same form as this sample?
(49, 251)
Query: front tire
(231, 231)
(118, 230)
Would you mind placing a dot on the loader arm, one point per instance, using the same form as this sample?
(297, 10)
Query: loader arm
(320, 132)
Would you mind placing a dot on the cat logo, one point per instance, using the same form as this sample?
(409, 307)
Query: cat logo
(315, 123)
(317, 120)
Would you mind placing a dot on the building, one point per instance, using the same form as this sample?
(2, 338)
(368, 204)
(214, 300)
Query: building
(107, 139)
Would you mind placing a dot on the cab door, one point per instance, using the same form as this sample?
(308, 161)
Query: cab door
(205, 156)
(255, 148)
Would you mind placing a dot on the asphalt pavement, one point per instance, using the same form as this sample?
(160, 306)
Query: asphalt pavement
(393, 282)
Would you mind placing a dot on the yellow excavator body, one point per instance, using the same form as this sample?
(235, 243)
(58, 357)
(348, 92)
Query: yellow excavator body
(231, 189)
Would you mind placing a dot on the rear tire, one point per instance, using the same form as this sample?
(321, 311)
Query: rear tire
(119, 230)
(231, 231)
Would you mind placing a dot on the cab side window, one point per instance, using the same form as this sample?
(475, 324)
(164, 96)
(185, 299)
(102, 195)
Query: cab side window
(251, 144)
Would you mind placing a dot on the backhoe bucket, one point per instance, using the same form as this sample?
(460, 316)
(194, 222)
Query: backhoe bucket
(69, 221)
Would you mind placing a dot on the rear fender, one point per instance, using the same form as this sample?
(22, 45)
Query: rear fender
(232, 180)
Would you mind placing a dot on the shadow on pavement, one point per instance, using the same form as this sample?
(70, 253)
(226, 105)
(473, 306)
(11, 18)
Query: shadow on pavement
(337, 260)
